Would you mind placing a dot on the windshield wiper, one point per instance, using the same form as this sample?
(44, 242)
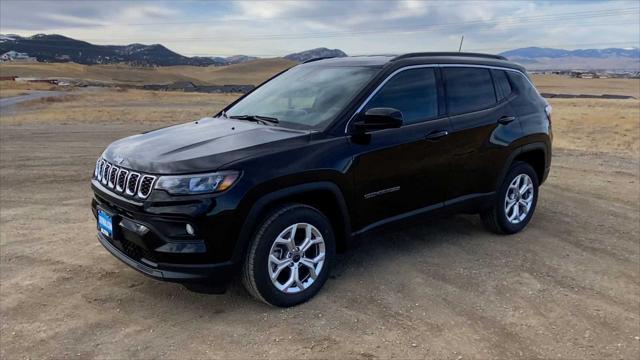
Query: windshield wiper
(266, 120)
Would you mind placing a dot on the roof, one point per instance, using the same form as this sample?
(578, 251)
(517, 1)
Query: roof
(418, 59)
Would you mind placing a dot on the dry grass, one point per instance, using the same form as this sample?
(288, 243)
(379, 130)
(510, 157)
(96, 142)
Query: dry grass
(568, 85)
(595, 125)
(253, 72)
(114, 106)
(13, 88)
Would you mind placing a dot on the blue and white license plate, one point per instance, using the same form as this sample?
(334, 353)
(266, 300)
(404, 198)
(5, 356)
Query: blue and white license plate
(105, 224)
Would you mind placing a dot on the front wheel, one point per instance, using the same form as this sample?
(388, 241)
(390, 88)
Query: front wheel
(515, 202)
(290, 256)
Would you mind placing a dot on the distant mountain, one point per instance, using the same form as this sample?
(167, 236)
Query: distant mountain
(314, 54)
(235, 59)
(58, 48)
(548, 58)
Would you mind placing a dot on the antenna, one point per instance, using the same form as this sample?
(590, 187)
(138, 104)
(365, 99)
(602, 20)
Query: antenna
(461, 40)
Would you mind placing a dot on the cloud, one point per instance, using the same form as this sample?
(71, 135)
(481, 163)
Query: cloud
(272, 28)
(70, 14)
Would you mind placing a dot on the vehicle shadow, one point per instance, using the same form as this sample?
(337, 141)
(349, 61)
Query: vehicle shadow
(393, 243)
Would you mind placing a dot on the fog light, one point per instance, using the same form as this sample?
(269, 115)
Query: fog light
(190, 229)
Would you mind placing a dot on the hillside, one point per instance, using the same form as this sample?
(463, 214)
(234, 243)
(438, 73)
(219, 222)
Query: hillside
(537, 58)
(315, 54)
(250, 73)
(58, 48)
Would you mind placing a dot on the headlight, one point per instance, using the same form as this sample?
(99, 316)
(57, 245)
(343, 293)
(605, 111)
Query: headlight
(198, 183)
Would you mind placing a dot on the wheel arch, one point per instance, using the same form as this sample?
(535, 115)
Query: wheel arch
(535, 154)
(325, 196)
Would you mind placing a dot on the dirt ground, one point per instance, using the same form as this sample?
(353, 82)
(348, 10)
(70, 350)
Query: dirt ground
(566, 287)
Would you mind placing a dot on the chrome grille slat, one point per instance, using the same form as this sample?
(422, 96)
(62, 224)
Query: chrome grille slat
(146, 185)
(132, 183)
(99, 170)
(113, 175)
(121, 181)
(105, 173)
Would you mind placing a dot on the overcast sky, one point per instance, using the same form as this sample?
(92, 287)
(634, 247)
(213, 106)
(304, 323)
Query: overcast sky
(274, 28)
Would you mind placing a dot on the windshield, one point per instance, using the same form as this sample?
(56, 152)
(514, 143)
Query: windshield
(304, 97)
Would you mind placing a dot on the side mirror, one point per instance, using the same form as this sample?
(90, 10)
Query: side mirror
(378, 119)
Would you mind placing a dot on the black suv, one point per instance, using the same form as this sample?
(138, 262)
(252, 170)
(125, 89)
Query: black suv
(327, 150)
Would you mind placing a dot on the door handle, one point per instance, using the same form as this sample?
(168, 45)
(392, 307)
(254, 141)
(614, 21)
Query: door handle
(435, 135)
(506, 120)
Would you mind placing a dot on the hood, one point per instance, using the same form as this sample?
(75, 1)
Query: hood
(200, 146)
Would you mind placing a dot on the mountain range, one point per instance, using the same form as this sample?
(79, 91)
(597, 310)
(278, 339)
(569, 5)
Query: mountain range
(538, 58)
(58, 48)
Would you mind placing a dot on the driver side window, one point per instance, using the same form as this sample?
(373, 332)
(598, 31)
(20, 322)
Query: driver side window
(414, 92)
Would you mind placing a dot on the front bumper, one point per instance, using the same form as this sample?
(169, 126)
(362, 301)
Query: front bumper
(215, 273)
(151, 237)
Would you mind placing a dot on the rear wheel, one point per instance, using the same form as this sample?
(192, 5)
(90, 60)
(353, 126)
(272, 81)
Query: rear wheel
(290, 256)
(515, 202)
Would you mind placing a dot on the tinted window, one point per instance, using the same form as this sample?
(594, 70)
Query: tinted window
(503, 88)
(468, 89)
(413, 92)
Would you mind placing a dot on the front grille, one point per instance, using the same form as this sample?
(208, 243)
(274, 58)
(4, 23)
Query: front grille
(124, 181)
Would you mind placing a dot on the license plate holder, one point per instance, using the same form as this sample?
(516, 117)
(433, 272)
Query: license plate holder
(105, 223)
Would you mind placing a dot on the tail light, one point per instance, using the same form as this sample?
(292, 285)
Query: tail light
(548, 109)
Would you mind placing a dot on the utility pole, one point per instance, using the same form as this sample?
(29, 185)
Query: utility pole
(461, 40)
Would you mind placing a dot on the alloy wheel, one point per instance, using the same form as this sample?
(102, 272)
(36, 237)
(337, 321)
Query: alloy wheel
(519, 199)
(296, 258)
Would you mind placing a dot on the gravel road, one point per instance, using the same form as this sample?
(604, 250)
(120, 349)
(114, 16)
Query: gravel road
(566, 287)
(33, 95)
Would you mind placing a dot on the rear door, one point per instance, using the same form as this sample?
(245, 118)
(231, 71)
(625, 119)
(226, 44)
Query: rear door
(483, 127)
(401, 170)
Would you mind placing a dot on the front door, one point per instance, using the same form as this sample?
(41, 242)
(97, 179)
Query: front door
(404, 170)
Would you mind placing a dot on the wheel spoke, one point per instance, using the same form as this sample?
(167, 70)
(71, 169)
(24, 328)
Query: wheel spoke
(280, 265)
(296, 276)
(289, 242)
(311, 266)
(527, 186)
(309, 243)
(289, 281)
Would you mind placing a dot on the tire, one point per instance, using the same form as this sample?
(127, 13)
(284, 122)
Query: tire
(500, 218)
(272, 238)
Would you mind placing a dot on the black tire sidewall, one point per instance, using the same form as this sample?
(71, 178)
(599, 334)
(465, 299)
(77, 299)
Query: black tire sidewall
(266, 236)
(505, 224)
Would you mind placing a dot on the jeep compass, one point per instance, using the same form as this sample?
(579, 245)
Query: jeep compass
(275, 183)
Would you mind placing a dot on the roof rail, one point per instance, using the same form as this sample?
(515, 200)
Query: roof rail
(464, 54)
(318, 58)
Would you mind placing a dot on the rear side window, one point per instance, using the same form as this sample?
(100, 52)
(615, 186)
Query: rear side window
(503, 87)
(413, 92)
(468, 89)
